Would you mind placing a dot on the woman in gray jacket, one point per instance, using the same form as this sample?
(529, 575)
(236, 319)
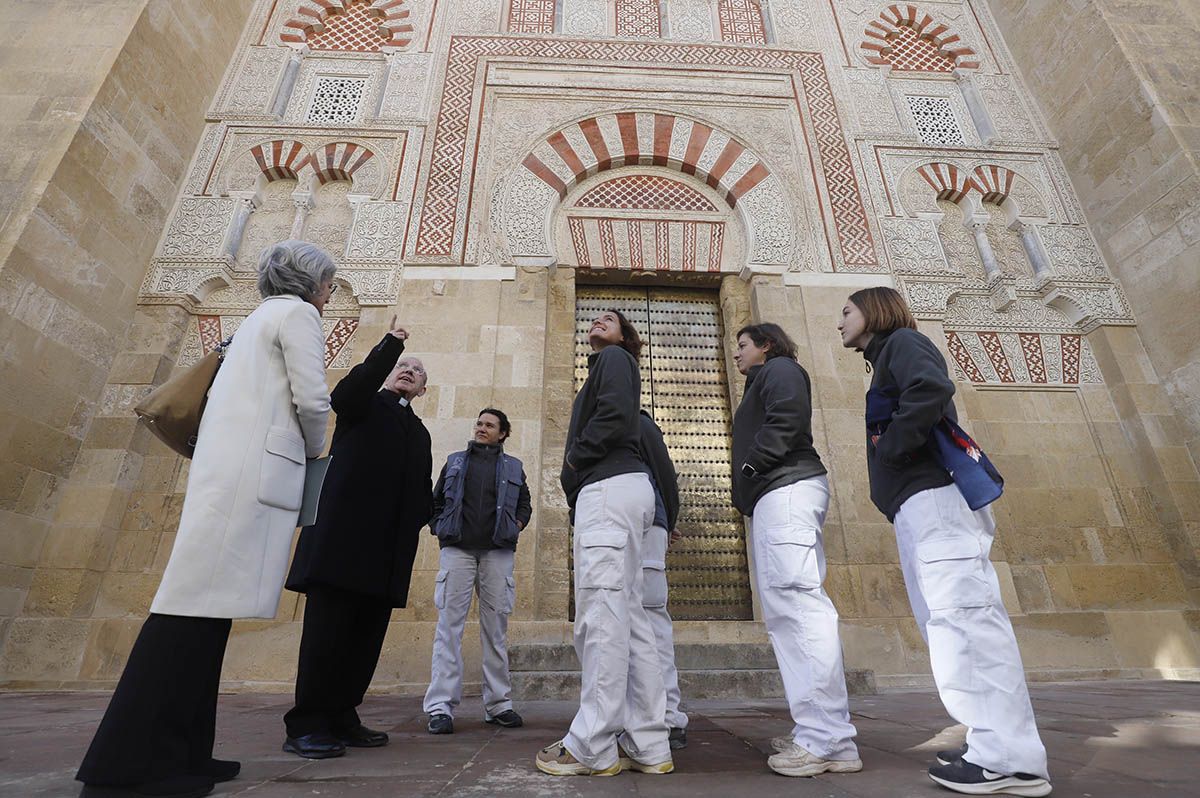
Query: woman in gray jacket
(779, 481)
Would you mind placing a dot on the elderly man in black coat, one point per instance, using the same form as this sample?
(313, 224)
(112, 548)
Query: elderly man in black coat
(355, 563)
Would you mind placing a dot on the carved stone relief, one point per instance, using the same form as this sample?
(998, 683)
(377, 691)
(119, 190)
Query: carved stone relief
(252, 89)
(914, 247)
(690, 20)
(328, 224)
(585, 17)
(270, 222)
(1012, 118)
(197, 228)
(871, 101)
(1072, 252)
(962, 255)
(407, 93)
(378, 231)
(1006, 245)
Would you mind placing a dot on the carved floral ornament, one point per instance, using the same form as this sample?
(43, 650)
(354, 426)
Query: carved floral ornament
(740, 179)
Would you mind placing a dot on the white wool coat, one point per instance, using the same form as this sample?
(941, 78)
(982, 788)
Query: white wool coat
(267, 412)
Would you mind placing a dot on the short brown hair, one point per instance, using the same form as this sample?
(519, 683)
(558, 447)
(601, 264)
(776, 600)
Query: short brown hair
(771, 335)
(884, 309)
(631, 342)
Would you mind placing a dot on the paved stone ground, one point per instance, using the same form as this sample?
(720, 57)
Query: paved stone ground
(1106, 740)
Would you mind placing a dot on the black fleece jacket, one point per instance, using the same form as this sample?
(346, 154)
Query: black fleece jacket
(662, 471)
(604, 434)
(772, 431)
(901, 462)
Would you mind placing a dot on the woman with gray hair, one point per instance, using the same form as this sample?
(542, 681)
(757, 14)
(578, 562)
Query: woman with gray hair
(267, 413)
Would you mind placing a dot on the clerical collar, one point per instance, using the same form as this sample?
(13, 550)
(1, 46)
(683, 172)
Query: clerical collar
(402, 402)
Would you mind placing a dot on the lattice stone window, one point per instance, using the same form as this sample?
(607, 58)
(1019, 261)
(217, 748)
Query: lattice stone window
(336, 100)
(935, 120)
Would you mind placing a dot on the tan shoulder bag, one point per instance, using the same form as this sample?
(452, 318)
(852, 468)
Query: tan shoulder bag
(173, 410)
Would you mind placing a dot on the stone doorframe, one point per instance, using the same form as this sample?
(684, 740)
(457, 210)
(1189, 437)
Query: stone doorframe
(553, 579)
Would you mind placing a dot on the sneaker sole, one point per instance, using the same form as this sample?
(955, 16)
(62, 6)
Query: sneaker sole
(660, 769)
(1005, 786)
(816, 769)
(555, 769)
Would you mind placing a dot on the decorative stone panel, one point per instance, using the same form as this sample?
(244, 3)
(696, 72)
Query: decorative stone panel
(985, 357)
(197, 228)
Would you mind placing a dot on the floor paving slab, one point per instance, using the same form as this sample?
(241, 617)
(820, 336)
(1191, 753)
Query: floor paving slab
(1105, 740)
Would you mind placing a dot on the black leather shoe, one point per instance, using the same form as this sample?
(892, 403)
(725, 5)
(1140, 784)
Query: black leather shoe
(220, 770)
(362, 737)
(509, 719)
(677, 738)
(315, 746)
(178, 787)
(441, 724)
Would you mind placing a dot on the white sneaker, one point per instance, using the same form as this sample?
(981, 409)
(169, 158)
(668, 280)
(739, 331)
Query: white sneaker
(782, 743)
(797, 761)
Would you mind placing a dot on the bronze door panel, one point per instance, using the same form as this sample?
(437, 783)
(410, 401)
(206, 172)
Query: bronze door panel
(685, 389)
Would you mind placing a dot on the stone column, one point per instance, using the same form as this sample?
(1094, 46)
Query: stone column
(1033, 251)
(244, 205)
(990, 267)
(283, 95)
(975, 105)
(304, 203)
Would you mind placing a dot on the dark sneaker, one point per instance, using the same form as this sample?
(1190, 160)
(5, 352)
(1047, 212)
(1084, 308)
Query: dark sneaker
(677, 738)
(950, 757)
(441, 724)
(968, 779)
(509, 719)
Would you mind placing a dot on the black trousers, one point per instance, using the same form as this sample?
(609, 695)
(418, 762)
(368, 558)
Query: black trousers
(339, 649)
(162, 719)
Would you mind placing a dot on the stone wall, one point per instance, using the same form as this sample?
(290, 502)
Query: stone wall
(1117, 83)
(104, 103)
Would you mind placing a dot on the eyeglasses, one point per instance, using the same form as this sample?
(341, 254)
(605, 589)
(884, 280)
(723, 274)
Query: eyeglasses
(332, 289)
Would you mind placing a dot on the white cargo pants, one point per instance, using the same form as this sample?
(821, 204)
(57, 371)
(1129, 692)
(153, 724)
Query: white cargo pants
(955, 599)
(789, 568)
(462, 574)
(654, 599)
(621, 690)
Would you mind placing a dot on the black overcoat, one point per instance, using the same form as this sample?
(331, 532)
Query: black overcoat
(378, 493)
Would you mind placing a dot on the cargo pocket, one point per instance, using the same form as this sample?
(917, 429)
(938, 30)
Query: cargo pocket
(601, 562)
(951, 574)
(510, 595)
(281, 478)
(792, 558)
(654, 587)
(439, 590)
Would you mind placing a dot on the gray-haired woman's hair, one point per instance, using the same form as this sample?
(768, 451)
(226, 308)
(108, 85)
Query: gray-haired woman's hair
(294, 267)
